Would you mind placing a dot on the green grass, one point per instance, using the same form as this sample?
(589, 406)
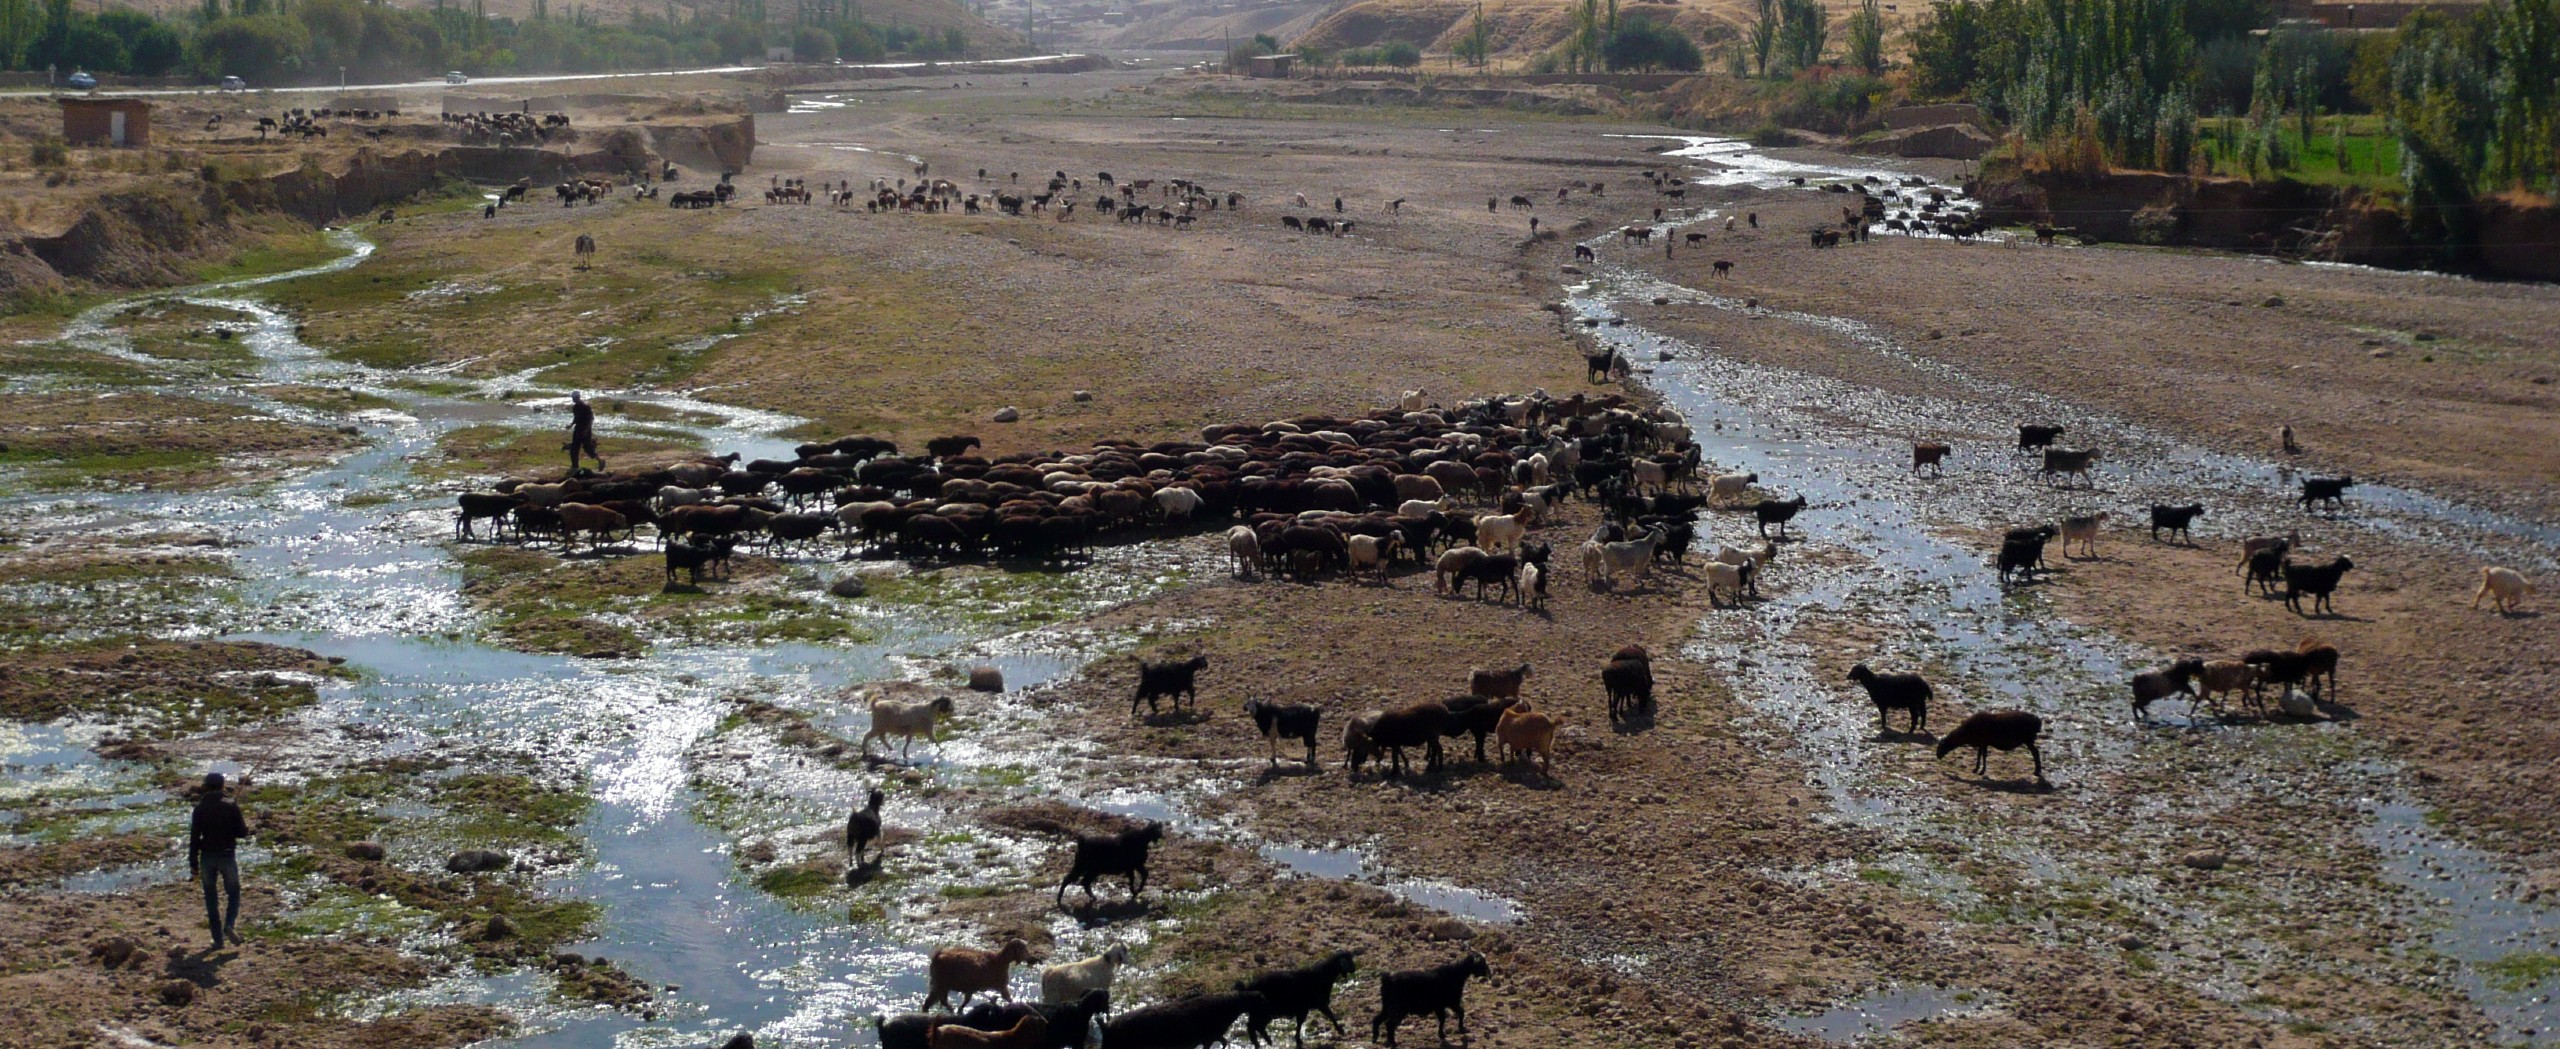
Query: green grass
(54, 472)
(280, 252)
(496, 807)
(2372, 153)
(2522, 971)
(799, 881)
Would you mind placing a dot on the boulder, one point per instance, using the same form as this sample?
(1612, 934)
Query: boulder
(364, 850)
(178, 993)
(1007, 414)
(849, 586)
(2205, 859)
(478, 861)
(1949, 141)
(986, 679)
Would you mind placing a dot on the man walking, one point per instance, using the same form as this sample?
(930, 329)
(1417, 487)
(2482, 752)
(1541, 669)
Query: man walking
(582, 432)
(213, 856)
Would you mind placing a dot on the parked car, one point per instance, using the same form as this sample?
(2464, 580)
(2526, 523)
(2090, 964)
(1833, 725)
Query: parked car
(456, 78)
(80, 81)
(233, 83)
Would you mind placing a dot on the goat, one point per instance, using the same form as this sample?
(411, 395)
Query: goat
(2265, 567)
(1724, 487)
(2319, 664)
(1475, 716)
(1496, 684)
(1777, 512)
(2275, 667)
(863, 827)
(2004, 730)
(2033, 438)
(1727, 578)
(1524, 732)
(907, 720)
(2022, 555)
(1904, 692)
(1437, 991)
(2331, 490)
(2152, 686)
(1533, 585)
(906, 1030)
(1450, 572)
(2506, 586)
(1024, 1034)
(1419, 725)
(2221, 677)
(1495, 531)
(1068, 982)
(1244, 550)
(2083, 530)
(1278, 721)
(968, 971)
(1292, 994)
(1191, 1023)
(2175, 519)
(1374, 552)
(1067, 1023)
(1628, 677)
(1634, 555)
(2318, 581)
(1178, 680)
(1932, 454)
(1123, 853)
(2069, 462)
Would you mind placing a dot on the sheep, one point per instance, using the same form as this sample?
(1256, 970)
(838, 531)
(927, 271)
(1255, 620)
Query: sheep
(2331, 490)
(1177, 680)
(907, 720)
(2250, 547)
(2506, 586)
(1024, 1034)
(1533, 585)
(1123, 853)
(2175, 519)
(2152, 686)
(1412, 400)
(2083, 530)
(1501, 570)
(1177, 504)
(1524, 732)
(1292, 994)
(2265, 568)
(1068, 1024)
(1932, 454)
(1244, 551)
(2319, 664)
(1419, 725)
(2005, 730)
(1191, 1023)
(1421, 507)
(1452, 567)
(863, 827)
(2318, 581)
(1359, 740)
(1420, 488)
(1727, 487)
(1495, 531)
(1069, 982)
(1438, 991)
(1374, 552)
(968, 971)
(2032, 438)
(1777, 512)
(1904, 692)
(2221, 677)
(1496, 684)
(1628, 677)
(1278, 721)
(2275, 667)
(1723, 577)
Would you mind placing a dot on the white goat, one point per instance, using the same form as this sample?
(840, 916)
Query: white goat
(1495, 531)
(2505, 586)
(1063, 983)
(907, 720)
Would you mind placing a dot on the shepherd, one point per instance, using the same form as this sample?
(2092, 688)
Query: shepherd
(582, 432)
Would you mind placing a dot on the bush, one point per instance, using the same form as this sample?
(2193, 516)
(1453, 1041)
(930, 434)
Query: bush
(1638, 43)
(49, 153)
(1401, 54)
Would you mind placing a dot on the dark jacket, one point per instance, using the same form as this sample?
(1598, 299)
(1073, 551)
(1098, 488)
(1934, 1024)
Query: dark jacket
(216, 830)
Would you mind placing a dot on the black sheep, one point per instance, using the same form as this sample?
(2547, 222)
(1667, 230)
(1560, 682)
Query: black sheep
(2175, 519)
(2021, 556)
(2331, 490)
(1279, 721)
(907, 1030)
(1100, 855)
(1777, 512)
(2318, 581)
(1438, 991)
(1192, 1023)
(1909, 692)
(1167, 679)
(2152, 686)
(1294, 993)
(1501, 570)
(2031, 438)
(2265, 568)
(2004, 730)
(863, 827)
(1419, 725)
(1476, 716)
(1067, 1023)
(2275, 667)
(1629, 680)
(687, 558)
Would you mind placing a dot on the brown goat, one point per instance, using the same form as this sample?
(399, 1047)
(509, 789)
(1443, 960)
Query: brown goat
(1931, 454)
(1524, 732)
(968, 971)
(1024, 1034)
(1496, 684)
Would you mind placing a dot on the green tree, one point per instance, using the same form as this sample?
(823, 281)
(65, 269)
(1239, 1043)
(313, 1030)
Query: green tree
(1866, 37)
(2524, 146)
(265, 48)
(1804, 29)
(1639, 43)
(1402, 54)
(1763, 35)
(1475, 48)
(811, 43)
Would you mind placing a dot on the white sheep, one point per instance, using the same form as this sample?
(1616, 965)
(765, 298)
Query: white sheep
(1541, 471)
(1244, 549)
(1726, 487)
(1413, 400)
(1373, 551)
(672, 496)
(1064, 983)
(1178, 504)
(1421, 507)
(2506, 586)
(1495, 531)
(907, 720)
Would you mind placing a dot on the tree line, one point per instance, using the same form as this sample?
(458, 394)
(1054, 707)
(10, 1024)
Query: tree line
(270, 42)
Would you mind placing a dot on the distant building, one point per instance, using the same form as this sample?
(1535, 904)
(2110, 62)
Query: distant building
(106, 121)
(2334, 14)
(777, 53)
(1273, 66)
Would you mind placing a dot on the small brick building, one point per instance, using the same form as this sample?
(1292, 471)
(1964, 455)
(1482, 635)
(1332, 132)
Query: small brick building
(106, 121)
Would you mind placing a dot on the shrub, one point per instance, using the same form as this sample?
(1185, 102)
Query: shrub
(49, 153)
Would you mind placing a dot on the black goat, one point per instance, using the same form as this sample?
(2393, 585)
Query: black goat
(2175, 519)
(2331, 490)
(1100, 855)
(1777, 512)
(1419, 725)
(907, 1030)
(2265, 567)
(2032, 438)
(1067, 1023)
(2152, 686)
(2318, 581)
(1438, 991)
(1167, 679)
(1629, 679)
(2275, 667)
(1292, 994)
(1192, 1023)
(691, 559)
(2004, 730)
(1892, 692)
(863, 827)
(1476, 716)
(2021, 556)
(1279, 721)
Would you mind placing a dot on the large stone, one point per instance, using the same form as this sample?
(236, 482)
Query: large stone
(477, 861)
(2205, 859)
(364, 850)
(178, 993)
(1948, 141)
(1007, 414)
(986, 679)
(849, 586)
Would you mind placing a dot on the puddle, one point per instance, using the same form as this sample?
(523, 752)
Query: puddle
(1880, 1011)
(1330, 863)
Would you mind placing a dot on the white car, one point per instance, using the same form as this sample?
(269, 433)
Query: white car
(233, 83)
(456, 78)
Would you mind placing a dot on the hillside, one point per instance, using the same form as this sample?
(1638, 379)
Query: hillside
(921, 14)
(1517, 27)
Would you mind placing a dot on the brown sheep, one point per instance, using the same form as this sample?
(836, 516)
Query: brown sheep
(1524, 732)
(1025, 1034)
(968, 971)
(1496, 684)
(2223, 676)
(1931, 454)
